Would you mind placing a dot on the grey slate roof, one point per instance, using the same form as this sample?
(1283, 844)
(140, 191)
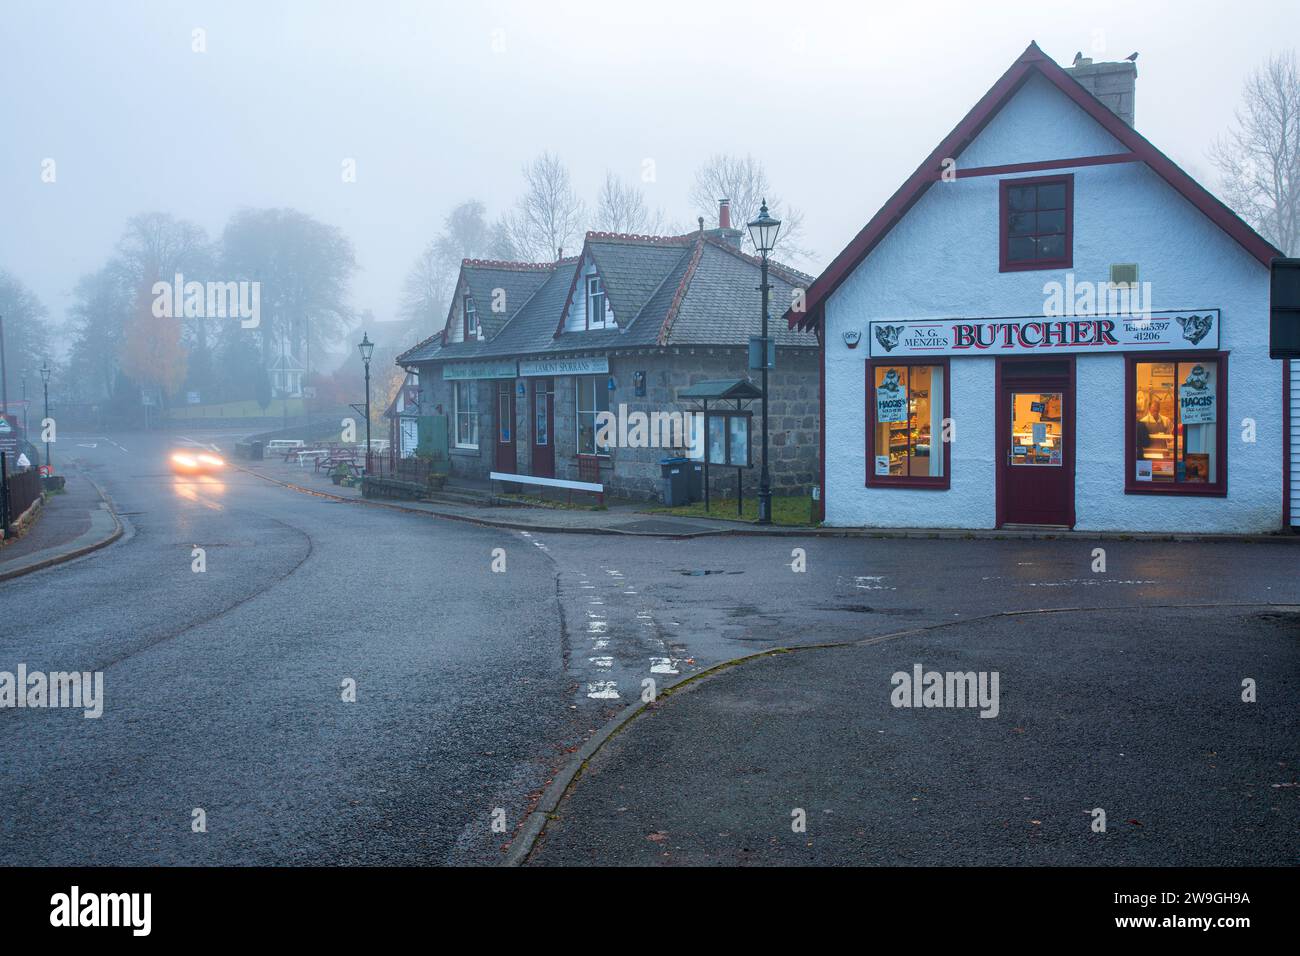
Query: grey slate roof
(687, 290)
(517, 286)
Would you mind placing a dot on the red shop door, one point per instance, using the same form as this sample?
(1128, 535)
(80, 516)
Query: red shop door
(1036, 442)
(543, 412)
(506, 459)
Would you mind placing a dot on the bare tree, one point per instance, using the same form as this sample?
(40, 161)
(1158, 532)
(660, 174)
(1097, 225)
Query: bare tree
(743, 180)
(1259, 159)
(429, 285)
(425, 291)
(549, 216)
(621, 207)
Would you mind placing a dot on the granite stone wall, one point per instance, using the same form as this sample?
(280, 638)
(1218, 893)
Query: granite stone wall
(634, 472)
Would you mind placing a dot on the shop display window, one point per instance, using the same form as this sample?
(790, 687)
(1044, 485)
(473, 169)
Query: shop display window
(1176, 418)
(906, 409)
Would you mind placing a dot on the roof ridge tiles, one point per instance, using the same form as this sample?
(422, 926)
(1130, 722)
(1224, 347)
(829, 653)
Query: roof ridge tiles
(681, 240)
(506, 264)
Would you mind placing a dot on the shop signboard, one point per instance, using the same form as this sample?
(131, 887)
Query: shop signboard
(1183, 330)
(487, 368)
(570, 365)
(9, 437)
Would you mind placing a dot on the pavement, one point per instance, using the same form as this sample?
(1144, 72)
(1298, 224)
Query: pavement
(1139, 715)
(635, 518)
(69, 525)
(616, 518)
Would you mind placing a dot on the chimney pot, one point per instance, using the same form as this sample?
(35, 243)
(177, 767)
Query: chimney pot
(724, 213)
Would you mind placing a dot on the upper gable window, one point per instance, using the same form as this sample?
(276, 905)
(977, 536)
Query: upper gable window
(470, 313)
(595, 302)
(1037, 223)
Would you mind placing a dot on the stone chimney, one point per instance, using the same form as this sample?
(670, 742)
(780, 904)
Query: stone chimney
(733, 237)
(1112, 83)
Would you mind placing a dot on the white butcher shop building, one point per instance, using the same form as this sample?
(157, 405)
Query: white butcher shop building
(1051, 324)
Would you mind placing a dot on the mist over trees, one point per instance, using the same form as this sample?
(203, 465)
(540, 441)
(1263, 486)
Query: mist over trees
(27, 335)
(120, 343)
(426, 293)
(621, 207)
(743, 180)
(549, 216)
(1259, 158)
(304, 269)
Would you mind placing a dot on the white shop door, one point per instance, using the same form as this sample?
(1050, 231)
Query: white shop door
(410, 436)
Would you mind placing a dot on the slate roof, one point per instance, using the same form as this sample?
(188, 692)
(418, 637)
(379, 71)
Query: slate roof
(518, 281)
(693, 290)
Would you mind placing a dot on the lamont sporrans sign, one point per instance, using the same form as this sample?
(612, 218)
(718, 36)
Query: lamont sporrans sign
(1197, 329)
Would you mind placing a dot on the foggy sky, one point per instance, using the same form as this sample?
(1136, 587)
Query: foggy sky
(840, 101)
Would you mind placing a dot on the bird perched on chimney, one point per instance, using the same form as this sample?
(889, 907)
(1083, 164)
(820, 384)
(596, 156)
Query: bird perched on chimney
(1132, 57)
(1077, 57)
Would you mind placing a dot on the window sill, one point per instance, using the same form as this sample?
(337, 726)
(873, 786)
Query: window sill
(1037, 266)
(928, 484)
(465, 450)
(1209, 491)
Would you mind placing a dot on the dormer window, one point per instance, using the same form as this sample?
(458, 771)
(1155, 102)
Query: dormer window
(471, 319)
(595, 302)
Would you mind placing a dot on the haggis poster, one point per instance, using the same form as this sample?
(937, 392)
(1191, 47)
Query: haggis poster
(891, 398)
(1196, 397)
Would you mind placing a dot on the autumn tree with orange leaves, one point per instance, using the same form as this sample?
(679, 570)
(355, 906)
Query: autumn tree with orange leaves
(151, 348)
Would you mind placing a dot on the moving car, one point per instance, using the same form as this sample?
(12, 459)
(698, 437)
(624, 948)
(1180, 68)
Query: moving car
(196, 462)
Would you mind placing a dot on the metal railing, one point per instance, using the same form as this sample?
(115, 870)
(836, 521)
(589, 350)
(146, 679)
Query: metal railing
(17, 492)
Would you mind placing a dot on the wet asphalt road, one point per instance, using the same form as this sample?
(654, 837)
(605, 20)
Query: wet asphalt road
(224, 687)
(1138, 714)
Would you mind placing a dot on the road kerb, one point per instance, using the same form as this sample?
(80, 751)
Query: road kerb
(534, 825)
(71, 554)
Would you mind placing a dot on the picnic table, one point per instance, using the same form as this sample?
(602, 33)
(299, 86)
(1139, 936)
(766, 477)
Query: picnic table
(286, 446)
(337, 456)
(314, 453)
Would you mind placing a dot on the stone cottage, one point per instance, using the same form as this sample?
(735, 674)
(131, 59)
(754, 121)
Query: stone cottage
(532, 354)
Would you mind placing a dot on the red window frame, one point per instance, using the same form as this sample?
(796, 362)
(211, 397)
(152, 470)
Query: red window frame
(1004, 224)
(1217, 489)
(939, 483)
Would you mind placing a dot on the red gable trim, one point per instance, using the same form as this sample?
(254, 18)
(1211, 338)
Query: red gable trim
(1048, 164)
(583, 258)
(666, 328)
(1032, 61)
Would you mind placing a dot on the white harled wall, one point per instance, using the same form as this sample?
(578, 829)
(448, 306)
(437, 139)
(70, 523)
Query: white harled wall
(941, 261)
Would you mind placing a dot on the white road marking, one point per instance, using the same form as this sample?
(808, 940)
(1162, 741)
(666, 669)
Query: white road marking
(603, 690)
(663, 665)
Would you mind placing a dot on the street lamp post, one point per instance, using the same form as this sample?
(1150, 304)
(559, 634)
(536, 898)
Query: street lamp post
(367, 349)
(763, 231)
(45, 384)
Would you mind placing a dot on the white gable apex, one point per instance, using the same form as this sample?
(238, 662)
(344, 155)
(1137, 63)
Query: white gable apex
(1038, 124)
